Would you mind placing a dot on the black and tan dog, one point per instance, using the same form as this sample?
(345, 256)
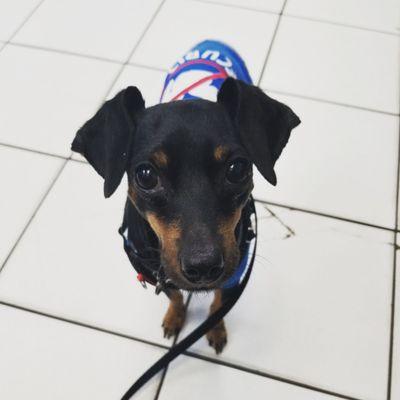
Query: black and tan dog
(189, 169)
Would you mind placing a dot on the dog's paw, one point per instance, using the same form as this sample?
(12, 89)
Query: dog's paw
(218, 337)
(173, 321)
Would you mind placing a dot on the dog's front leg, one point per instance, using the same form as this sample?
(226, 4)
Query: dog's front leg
(217, 336)
(175, 315)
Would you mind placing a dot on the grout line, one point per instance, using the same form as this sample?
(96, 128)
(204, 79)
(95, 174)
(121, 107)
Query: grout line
(342, 24)
(25, 20)
(43, 153)
(87, 56)
(336, 103)
(289, 231)
(65, 52)
(144, 66)
(322, 20)
(272, 43)
(158, 69)
(79, 161)
(33, 215)
(393, 296)
(392, 321)
(186, 353)
(135, 47)
(84, 325)
(240, 7)
(321, 214)
(173, 344)
(267, 375)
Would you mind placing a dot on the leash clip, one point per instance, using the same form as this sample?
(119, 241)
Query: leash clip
(142, 280)
(163, 283)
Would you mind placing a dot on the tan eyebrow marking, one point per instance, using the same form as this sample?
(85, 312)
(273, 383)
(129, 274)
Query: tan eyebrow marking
(220, 152)
(160, 158)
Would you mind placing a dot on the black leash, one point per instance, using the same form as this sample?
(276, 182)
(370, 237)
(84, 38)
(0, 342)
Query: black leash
(202, 329)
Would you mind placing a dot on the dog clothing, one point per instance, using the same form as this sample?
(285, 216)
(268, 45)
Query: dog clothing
(200, 73)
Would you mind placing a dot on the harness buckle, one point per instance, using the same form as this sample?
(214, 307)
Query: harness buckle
(159, 288)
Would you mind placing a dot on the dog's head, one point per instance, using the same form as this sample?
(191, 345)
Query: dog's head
(189, 167)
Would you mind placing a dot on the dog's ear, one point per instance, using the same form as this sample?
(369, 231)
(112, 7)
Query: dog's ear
(264, 124)
(105, 139)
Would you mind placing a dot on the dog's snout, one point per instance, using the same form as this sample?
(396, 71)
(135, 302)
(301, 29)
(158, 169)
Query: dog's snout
(202, 268)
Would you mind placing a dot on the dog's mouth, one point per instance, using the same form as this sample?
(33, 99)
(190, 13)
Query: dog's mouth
(197, 287)
(183, 284)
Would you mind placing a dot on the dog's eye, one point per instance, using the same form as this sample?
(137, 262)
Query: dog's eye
(146, 176)
(238, 170)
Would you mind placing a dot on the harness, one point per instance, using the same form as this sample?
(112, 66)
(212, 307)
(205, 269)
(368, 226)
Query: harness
(198, 74)
(142, 259)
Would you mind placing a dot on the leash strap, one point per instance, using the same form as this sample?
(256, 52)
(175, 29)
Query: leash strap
(201, 330)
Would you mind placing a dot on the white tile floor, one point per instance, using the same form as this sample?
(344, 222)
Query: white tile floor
(317, 320)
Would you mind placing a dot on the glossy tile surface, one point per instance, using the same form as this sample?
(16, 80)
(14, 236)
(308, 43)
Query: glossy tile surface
(358, 150)
(320, 317)
(207, 21)
(372, 14)
(320, 293)
(313, 58)
(47, 102)
(100, 28)
(56, 360)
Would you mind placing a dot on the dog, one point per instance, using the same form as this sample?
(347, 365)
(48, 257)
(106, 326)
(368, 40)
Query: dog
(189, 165)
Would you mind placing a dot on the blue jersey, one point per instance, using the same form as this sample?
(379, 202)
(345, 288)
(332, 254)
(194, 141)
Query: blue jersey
(201, 71)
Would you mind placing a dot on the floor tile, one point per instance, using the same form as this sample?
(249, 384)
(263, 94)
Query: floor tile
(42, 358)
(197, 380)
(47, 102)
(340, 161)
(26, 176)
(382, 15)
(150, 83)
(12, 15)
(207, 21)
(71, 261)
(115, 27)
(262, 5)
(335, 63)
(317, 307)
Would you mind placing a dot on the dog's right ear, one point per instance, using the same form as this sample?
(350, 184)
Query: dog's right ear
(105, 139)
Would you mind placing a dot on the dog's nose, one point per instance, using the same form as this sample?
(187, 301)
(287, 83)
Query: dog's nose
(205, 268)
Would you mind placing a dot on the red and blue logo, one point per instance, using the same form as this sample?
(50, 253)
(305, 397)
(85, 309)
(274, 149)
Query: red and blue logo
(201, 71)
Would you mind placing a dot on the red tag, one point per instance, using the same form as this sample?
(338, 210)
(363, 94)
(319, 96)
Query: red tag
(142, 280)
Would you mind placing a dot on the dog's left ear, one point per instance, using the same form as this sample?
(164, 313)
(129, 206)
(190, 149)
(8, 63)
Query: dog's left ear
(105, 139)
(264, 124)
